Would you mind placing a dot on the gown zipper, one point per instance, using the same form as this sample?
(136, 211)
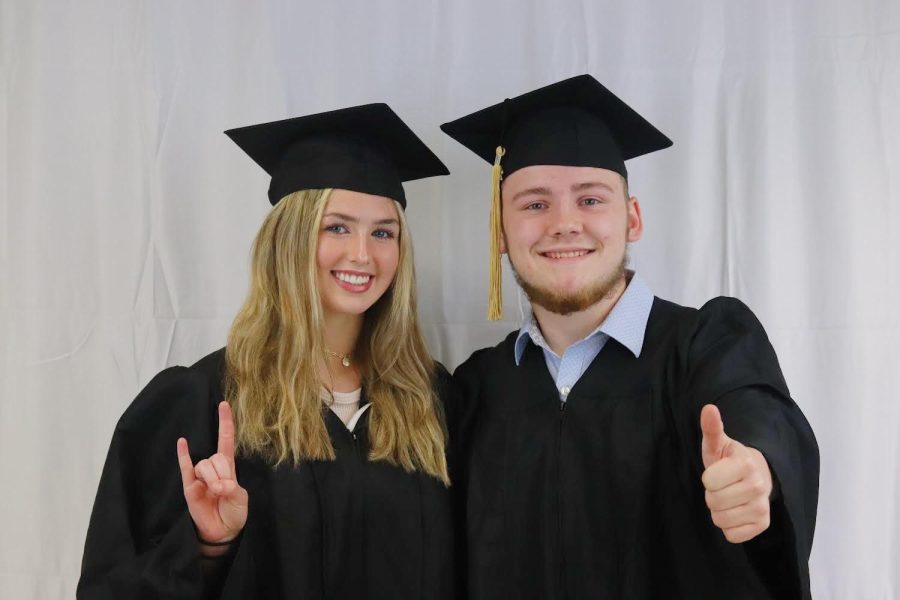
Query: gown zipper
(559, 501)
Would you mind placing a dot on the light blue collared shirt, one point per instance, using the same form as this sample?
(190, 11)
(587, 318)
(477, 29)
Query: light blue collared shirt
(626, 323)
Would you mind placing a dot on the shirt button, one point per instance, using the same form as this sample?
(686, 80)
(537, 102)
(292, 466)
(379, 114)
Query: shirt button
(564, 390)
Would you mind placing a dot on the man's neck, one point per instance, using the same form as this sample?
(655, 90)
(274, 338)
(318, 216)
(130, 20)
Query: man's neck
(561, 331)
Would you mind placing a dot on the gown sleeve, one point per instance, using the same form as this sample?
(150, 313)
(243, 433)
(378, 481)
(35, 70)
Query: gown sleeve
(728, 361)
(141, 541)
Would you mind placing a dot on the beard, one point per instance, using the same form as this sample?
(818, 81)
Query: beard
(563, 303)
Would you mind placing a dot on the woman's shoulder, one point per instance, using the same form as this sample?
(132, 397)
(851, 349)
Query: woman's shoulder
(211, 367)
(177, 394)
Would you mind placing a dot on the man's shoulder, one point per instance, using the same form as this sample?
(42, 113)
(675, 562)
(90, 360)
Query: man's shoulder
(720, 307)
(719, 317)
(725, 306)
(489, 356)
(719, 320)
(668, 309)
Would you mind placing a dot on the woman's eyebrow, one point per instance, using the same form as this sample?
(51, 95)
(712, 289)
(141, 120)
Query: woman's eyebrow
(350, 219)
(341, 216)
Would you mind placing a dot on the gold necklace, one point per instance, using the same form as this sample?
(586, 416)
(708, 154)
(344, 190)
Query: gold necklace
(345, 358)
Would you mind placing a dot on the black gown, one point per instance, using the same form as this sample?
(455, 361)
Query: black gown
(347, 528)
(601, 496)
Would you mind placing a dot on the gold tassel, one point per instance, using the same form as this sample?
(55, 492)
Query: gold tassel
(495, 288)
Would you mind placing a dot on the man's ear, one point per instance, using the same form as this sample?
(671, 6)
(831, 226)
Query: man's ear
(635, 220)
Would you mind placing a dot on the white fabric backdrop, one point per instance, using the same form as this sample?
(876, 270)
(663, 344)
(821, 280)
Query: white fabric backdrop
(126, 216)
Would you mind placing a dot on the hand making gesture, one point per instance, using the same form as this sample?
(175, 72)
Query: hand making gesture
(216, 502)
(737, 479)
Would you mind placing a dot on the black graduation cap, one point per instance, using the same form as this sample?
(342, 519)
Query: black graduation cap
(576, 122)
(366, 149)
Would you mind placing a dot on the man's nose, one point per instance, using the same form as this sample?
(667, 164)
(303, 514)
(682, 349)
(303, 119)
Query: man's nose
(566, 221)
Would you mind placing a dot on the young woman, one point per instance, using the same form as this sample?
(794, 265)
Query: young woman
(323, 473)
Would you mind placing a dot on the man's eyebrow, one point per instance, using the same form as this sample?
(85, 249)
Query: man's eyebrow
(580, 187)
(536, 191)
(350, 219)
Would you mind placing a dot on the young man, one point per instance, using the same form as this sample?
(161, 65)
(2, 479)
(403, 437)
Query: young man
(618, 445)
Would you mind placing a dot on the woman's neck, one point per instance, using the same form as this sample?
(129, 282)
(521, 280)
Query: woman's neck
(341, 332)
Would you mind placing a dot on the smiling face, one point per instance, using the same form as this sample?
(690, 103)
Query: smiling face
(566, 231)
(358, 251)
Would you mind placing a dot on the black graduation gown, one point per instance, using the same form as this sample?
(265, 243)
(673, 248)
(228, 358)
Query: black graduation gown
(601, 497)
(347, 528)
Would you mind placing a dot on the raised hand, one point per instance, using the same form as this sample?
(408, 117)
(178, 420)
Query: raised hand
(216, 502)
(737, 479)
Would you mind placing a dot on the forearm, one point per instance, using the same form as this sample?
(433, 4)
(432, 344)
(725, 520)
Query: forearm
(215, 561)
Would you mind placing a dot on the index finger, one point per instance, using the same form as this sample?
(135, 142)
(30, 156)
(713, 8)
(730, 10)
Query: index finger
(724, 473)
(226, 431)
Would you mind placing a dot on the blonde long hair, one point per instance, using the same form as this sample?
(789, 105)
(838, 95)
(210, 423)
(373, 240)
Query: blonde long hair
(272, 380)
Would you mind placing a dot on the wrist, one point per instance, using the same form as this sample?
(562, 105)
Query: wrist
(213, 551)
(210, 549)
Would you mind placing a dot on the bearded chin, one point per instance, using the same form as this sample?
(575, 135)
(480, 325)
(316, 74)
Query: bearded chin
(567, 303)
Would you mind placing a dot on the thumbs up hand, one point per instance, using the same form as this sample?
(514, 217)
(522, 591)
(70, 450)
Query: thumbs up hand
(737, 479)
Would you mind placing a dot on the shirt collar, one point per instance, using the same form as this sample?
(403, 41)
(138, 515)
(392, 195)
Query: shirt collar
(626, 322)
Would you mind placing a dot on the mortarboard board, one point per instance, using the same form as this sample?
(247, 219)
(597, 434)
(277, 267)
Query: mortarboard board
(575, 122)
(366, 149)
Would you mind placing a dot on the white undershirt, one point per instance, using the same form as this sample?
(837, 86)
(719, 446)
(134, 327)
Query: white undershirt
(345, 405)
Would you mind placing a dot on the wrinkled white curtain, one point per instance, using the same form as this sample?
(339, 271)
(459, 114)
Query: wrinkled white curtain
(126, 216)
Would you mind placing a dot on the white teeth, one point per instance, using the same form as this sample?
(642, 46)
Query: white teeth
(353, 279)
(572, 254)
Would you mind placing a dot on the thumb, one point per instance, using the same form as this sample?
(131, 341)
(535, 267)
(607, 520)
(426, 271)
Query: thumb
(715, 442)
